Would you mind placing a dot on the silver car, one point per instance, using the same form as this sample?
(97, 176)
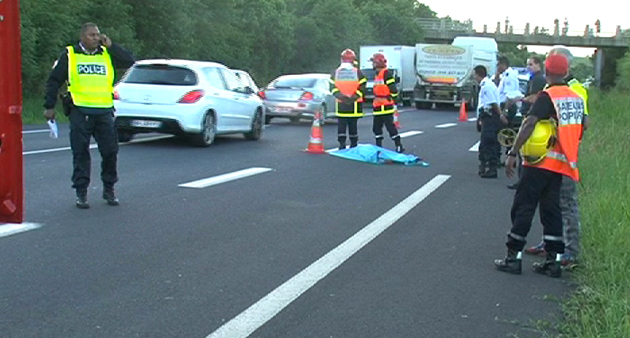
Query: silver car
(298, 96)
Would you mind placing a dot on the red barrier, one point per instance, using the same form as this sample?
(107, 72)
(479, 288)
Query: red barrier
(11, 167)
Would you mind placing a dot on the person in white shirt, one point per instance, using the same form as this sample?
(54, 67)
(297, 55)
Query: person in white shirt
(490, 118)
(509, 87)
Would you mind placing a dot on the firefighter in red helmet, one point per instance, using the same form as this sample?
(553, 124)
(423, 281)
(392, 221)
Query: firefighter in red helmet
(347, 84)
(384, 104)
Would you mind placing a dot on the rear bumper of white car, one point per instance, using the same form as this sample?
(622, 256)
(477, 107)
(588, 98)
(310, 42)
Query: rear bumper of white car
(170, 119)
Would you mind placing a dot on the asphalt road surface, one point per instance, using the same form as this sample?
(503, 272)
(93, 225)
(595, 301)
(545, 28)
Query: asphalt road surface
(288, 244)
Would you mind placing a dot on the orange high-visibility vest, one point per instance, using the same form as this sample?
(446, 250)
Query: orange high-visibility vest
(383, 102)
(563, 157)
(347, 81)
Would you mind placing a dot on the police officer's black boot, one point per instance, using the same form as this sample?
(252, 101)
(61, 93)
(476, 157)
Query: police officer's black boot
(491, 172)
(342, 145)
(110, 196)
(551, 266)
(482, 168)
(512, 263)
(82, 202)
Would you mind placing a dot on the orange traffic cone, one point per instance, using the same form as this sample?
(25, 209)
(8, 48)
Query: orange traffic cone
(316, 145)
(396, 122)
(463, 116)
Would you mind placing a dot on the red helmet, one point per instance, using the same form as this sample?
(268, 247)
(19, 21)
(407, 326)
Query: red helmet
(348, 55)
(379, 60)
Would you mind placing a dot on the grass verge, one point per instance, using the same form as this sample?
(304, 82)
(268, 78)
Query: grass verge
(600, 306)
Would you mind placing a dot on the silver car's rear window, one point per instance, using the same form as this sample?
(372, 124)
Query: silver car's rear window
(160, 74)
(294, 82)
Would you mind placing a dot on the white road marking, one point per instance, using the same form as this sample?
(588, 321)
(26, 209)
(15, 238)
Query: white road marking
(94, 146)
(472, 119)
(410, 133)
(265, 309)
(35, 131)
(11, 229)
(446, 125)
(206, 182)
(475, 147)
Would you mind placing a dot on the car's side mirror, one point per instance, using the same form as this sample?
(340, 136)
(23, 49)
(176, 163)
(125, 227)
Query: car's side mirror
(248, 90)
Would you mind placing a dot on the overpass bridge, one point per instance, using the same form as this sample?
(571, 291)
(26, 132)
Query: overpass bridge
(444, 30)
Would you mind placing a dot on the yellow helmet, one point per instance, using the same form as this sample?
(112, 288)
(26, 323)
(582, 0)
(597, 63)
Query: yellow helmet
(541, 140)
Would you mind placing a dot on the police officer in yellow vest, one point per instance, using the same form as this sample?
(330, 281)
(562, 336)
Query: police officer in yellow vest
(88, 68)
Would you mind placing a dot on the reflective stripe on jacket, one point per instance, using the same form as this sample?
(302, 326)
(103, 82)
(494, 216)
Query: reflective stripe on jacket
(91, 79)
(384, 93)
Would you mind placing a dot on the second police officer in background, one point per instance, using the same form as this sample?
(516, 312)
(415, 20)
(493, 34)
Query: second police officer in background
(490, 119)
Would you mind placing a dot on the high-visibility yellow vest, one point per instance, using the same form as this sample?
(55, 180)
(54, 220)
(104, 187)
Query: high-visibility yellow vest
(579, 89)
(91, 79)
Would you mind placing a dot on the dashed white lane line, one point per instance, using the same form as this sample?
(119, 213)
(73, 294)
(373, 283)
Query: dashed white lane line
(94, 146)
(35, 131)
(11, 229)
(206, 182)
(475, 147)
(446, 125)
(472, 119)
(265, 309)
(411, 133)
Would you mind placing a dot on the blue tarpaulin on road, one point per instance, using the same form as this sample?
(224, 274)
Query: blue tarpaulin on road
(373, 154)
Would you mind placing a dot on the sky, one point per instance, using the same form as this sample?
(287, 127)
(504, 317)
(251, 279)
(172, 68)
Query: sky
(538, 13)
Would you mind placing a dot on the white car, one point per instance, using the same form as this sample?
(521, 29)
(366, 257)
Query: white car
(195, 99)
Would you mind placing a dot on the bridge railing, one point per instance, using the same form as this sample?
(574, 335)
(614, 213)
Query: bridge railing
(447, 24)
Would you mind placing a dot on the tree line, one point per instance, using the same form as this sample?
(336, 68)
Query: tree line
(265, 37)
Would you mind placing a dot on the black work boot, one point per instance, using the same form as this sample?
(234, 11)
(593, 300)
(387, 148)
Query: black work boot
(511, 263)
(110, 196)
(379, 142)
(353, 142)
(399, 147)
(342, 145)
(82, 202)
(490, 173)
(551, 266)
(482, 168)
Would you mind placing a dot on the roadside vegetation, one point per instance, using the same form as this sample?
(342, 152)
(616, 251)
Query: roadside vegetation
(600, 305)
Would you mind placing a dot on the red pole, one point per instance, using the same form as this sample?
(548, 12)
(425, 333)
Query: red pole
(11, 167)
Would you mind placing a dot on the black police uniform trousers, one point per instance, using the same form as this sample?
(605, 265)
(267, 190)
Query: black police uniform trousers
(538, 187)
(386, 120)
(489, 146)
(82, 128)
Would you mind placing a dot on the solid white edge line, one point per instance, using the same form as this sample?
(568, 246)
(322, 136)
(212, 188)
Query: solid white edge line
(475, 147)
(94, 146)
(206, 182)
(266, 308)
(446, 125)
(12, 229)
